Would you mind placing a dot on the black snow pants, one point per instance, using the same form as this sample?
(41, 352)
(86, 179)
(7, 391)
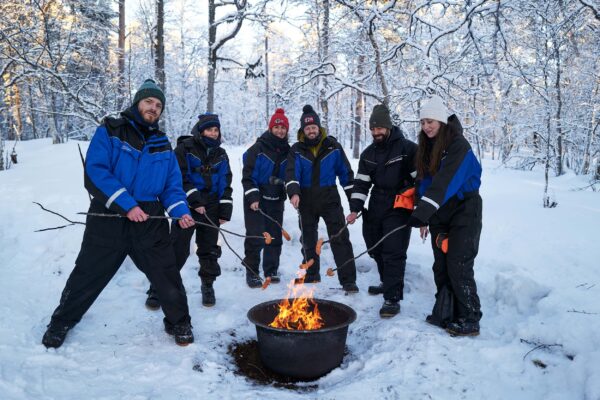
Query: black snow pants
(256, 224)
(106, 243)
(208, 251)
(325, 203)
(461, 221)
(390, 255)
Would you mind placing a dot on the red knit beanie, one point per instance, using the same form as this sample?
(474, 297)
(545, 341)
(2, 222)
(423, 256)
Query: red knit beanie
(279, 118)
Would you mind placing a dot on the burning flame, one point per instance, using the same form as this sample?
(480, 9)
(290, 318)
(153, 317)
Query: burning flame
(298, 311)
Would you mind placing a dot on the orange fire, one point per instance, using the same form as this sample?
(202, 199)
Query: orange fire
(298, 311)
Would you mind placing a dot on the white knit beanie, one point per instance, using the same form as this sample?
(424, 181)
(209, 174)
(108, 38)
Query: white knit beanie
(434, 108)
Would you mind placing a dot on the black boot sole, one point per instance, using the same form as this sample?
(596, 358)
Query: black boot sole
(52, 345)
(182, 344)
(458, 334)
(388, 314)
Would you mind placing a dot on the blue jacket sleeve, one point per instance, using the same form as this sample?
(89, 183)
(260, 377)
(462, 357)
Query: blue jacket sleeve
(251, 191)
(173, 196)
(99, 179)
(456, 168)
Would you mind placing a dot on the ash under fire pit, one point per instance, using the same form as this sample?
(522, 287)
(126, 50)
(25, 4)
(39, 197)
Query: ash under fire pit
(303, 354)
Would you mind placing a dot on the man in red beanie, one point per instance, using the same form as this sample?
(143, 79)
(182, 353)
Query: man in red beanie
(263, 179)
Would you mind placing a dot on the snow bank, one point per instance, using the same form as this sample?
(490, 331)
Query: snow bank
(537, 272)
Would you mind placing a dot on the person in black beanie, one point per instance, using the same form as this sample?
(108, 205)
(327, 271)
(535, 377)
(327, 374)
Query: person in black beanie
(206, 176)
(386, 169)
(313, 164)
(132, 172)
(263, 180)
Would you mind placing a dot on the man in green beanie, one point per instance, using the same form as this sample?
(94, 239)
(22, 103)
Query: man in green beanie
(149, 89)
(387, 170)
(131, 172)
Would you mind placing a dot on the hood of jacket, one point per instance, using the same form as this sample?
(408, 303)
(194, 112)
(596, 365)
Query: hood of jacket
(132, 114)
(454, 125)
(273, 142)
(198, 138)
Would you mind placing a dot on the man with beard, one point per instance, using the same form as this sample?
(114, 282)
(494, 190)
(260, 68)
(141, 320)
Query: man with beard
(131, 171)
(314, 162)
(386, 168)
(263, 179)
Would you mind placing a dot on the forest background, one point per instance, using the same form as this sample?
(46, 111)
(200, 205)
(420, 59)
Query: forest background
(524, 76)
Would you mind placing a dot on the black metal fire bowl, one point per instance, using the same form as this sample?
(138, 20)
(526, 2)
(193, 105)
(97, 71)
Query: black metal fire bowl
(307, 354)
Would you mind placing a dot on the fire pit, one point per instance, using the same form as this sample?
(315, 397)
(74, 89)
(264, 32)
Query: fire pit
(303, 354)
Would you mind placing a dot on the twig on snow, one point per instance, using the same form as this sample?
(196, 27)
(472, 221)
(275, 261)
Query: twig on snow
(56, 227)
(60, 215)
(538, 346)
(582, 312)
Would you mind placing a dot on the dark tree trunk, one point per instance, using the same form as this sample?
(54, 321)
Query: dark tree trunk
(359, 110)
(121, 49)
(324, 58)
(212, 57)
(159, 61)
(559, 131)
(32, 114)
(267, 106)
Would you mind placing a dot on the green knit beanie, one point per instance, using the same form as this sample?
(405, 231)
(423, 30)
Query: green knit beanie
(380, 117)
(149, 89)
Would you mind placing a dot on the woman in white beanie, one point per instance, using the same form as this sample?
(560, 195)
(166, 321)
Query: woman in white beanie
(448, 180)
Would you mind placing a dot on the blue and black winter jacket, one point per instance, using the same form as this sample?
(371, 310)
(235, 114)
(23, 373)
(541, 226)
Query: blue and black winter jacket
(206, 173)
(459, 175)
(126, 163)
(265, 162)
(307, 171)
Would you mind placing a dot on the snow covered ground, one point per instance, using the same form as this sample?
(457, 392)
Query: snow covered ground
(538, 273)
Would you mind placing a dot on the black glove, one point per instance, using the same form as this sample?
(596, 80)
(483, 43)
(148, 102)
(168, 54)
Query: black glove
(415, 222)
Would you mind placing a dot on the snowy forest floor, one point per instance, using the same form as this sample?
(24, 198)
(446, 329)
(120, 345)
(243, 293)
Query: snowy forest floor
(538, 275)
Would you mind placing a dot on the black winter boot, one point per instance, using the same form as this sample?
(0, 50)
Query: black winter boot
(55, 335)
(253, 280)
(152, 302)
(462, 327)
(182, 332)
(208, 295)
(275, 278)
(376, 290)
(389, 309)
(350, 288)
